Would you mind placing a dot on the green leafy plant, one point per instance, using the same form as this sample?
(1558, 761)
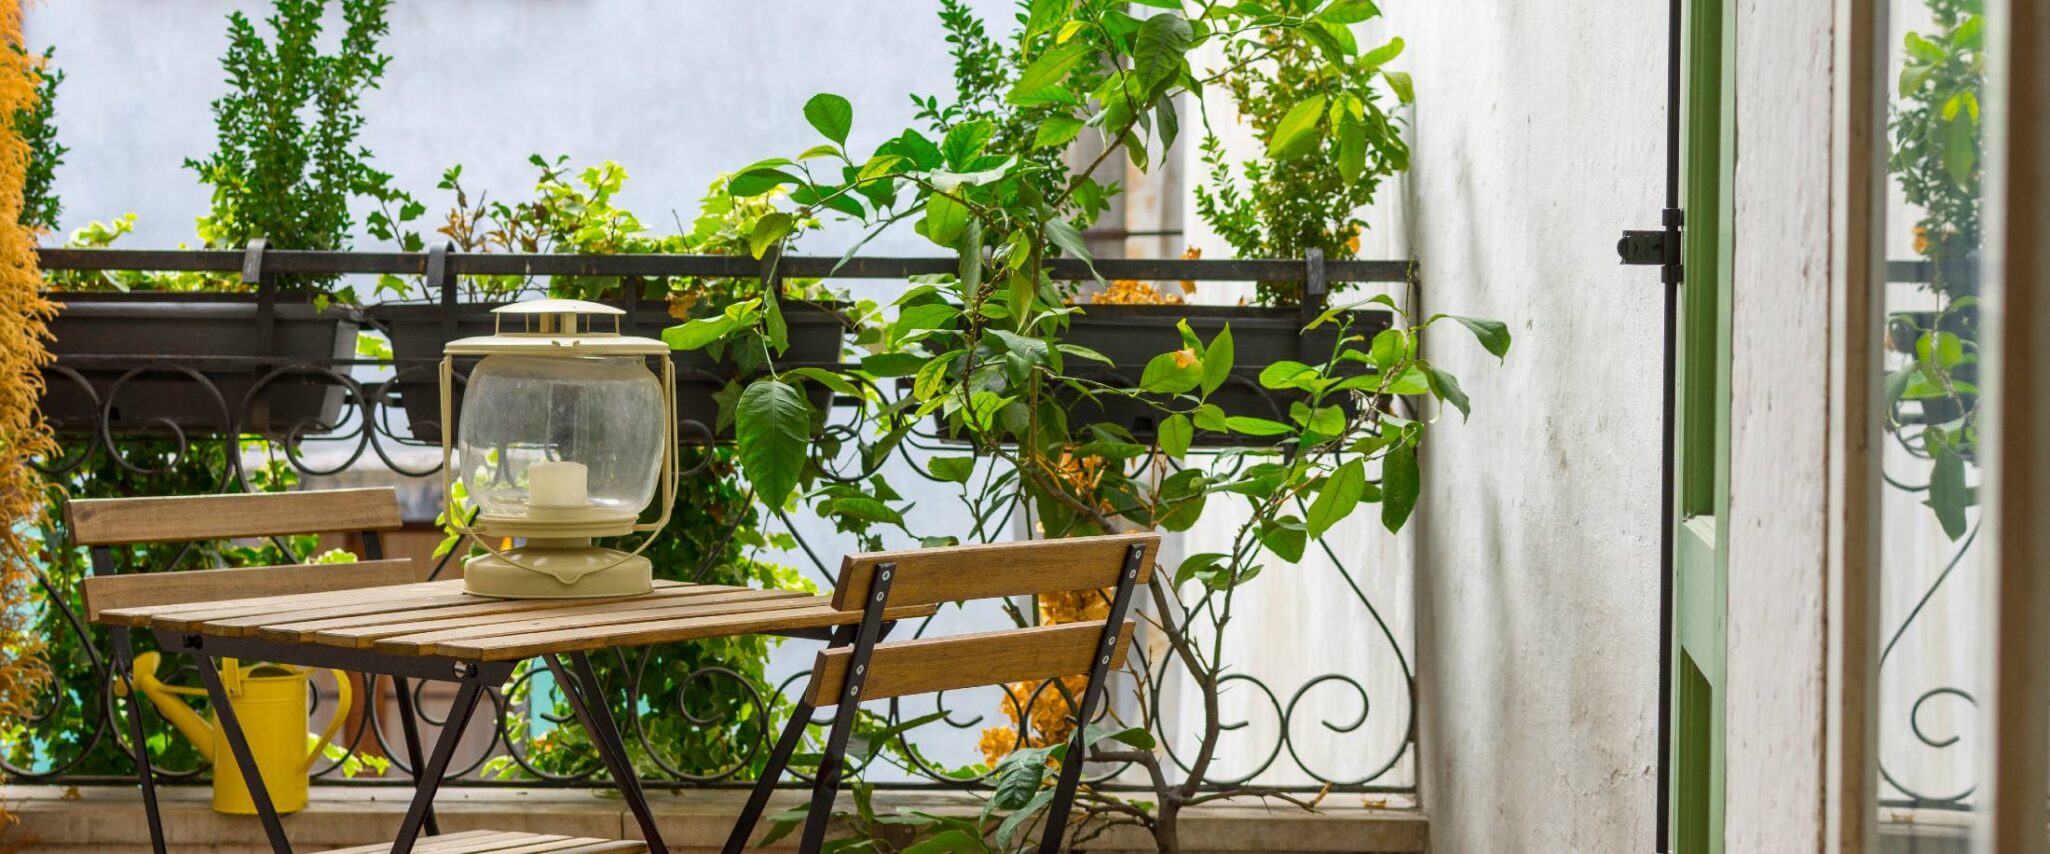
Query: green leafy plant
(36, 124)
(287, 161)
(1933, 397)
(1328, 142)
(984, 349)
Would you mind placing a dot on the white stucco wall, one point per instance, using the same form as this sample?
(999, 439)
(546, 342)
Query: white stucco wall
(1540, 136)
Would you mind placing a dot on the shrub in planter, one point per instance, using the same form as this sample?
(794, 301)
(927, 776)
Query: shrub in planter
(573, 212)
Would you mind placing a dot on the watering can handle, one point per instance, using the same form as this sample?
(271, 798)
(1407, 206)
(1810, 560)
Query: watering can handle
(345, 691)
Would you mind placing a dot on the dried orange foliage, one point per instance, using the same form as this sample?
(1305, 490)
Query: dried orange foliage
(24, 317)
(1135, 292)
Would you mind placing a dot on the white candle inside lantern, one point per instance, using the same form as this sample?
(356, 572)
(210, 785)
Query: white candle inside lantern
(556, 483)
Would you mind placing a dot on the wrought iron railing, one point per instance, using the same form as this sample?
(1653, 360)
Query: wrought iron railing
(362, 429)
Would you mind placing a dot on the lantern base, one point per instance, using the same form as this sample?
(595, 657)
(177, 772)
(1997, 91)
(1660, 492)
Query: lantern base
(553, 572)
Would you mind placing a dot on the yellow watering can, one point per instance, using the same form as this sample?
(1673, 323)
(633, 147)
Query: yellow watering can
(270, 703)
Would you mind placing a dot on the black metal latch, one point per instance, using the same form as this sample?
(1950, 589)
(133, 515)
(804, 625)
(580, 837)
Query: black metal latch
(1654, 248)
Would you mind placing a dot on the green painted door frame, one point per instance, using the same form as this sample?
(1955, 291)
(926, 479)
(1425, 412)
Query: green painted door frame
(1702, 412)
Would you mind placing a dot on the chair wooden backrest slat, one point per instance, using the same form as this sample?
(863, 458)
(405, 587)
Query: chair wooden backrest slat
(138, 590)
(967, 661)
(960, 573)
(125, 521)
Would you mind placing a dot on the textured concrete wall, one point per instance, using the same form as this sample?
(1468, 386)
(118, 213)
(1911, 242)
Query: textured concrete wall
(1539, 136)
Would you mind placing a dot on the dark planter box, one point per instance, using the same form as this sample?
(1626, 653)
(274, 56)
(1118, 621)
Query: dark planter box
(1131, 335)
(419, 333)
(105, 336)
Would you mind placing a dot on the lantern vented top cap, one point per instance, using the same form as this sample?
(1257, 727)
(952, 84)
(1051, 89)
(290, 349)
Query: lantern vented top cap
(564, 327)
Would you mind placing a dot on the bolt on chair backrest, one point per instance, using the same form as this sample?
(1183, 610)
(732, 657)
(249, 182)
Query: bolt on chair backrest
(103, 523)
(858, 666)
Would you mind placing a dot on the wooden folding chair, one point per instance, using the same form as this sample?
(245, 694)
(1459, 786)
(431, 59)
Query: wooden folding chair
(857, 667)
(103, 524)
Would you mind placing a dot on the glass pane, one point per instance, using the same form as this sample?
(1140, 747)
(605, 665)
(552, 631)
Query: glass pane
(1931, 740)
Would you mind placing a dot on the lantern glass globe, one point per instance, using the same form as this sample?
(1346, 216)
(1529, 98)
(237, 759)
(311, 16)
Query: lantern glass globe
(553, 440)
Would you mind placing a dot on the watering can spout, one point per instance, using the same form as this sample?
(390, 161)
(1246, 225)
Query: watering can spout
(165, 697)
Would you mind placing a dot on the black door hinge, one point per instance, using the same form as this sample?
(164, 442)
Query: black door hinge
(1655, 248)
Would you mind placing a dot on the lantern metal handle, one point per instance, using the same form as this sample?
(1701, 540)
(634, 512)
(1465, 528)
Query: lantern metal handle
(669, 473)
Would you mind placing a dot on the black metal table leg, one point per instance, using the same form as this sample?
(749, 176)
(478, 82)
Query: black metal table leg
(588, 702)
(409, 721)
(238, 743)
(124, 667)
(427, 780)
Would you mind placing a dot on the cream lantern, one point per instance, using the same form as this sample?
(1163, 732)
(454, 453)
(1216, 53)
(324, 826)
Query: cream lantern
(565, 435)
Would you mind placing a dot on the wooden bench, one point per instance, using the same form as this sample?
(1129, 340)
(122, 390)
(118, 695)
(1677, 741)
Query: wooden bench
(858, 666)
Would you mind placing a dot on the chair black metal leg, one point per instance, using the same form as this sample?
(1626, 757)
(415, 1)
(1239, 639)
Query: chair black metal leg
(587, 700)
(124, 667)
(238, 743)
(1085, 708)
(409, 721)
(427, 780)
(779, 758)
(866, 634)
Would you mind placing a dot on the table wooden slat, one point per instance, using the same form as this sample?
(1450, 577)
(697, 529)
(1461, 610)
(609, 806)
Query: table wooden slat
(158, 614)
(517, 647)
(304, 626)
(757, 602)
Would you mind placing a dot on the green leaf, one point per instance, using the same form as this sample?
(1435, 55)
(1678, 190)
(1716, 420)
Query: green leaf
(951, 469)
(1297, 131)
(1446, 387)
(773, 427)
(1405, 90)
(945, 842)
(1203, 566)
(768, 231)
(1210, 417)
(1062, 233)
(828, 379)
(1493, 334)
(1960, 149)
(1049, 70)
(1390, 347)
(964, 142)
(1348, 12)
(1018, 777)
(1341, 493)
(1217, 361)
(1158, 50)
(1165, 374)
(1382, 55)
(892, 364)
(1399, 484)
(945, 220)
(1288, 373)
(1285, 537)
(755, 182)
(1057, 131)
(1948, 495)
(1251, 426)
(831, 115)
(697, 333)
(1175, 435)
(1017, 820)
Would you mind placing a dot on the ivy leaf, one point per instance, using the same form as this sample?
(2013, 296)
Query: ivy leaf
(1341, 493)
(1217, 361)
(773, 426)
(1297, 131)
(1399, 484)
(831, 115)
(951, 469)
(1175, 434)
